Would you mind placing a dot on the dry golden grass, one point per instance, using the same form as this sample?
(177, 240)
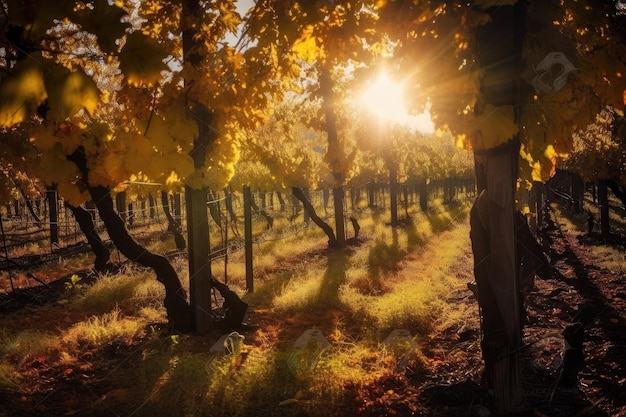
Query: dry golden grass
(395, 278)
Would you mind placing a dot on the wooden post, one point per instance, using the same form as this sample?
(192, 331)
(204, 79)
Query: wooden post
(199, 263)
(492, 218)
(53, 209)
(131, 214)
(152, 205)
(6, 253)
(247, 214)
(177, 208)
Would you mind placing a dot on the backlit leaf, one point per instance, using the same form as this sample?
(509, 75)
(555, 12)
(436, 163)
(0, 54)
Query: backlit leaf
(69, 92)
(141, 60)
(22, 92)
(105, 21)
(495, 126)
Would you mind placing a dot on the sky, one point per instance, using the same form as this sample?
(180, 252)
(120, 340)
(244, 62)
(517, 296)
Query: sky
(421, 122)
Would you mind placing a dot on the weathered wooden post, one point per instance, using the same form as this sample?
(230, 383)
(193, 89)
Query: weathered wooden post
(53, 210)
(492, 216)
(247, 214)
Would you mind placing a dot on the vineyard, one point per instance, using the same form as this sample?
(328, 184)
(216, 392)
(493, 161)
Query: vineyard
(31, 238)
(76, 343)
(312, 208)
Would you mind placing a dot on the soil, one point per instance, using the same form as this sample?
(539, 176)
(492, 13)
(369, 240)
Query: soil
(558, 379)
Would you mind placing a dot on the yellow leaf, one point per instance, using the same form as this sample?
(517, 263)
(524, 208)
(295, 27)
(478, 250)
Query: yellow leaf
(495, 126)
(141, 60)
(69, 92)
(305, 47)
(22, 92)
(104, 21)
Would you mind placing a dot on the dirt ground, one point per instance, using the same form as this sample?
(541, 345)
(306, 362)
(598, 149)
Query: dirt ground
(580, 298)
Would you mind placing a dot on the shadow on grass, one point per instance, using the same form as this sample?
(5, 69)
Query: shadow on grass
(334, 278)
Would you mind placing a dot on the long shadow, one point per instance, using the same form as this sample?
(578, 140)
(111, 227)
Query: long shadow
(596, 322)
(334, 278)
(595, 316)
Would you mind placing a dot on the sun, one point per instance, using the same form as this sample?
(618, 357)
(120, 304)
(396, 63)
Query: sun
(384, 98)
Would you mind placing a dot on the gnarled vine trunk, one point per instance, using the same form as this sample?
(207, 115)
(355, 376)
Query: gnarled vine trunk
(85, 222)
(332, 240)
(175, 301)
(172, 225)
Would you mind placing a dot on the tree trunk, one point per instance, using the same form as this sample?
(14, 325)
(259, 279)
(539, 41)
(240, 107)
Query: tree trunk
(370, 195)
(263, 198)
(594, 193)
(603, 204)
(85, 222)
(214, 208)
(393, 193)
(31, 210)
(172, 225)
(405, 191)
(228, 201)
(618, 191)
(340, 224)
(332, 240)
(577, 193)
(175, 301)
(281, 201)
(120, 205)
(492, 216)
(269, 219)
(423, 190)
(305, 212)
(333, 155)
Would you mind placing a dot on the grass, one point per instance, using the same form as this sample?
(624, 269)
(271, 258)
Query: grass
(611, 257)
(102, 330)
(395, 278)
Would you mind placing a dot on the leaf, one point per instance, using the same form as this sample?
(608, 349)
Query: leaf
(141, 60)
(22, 92)
(495, 126)
(104, 21)
(306, 47)
(69, 92)
(36, 17)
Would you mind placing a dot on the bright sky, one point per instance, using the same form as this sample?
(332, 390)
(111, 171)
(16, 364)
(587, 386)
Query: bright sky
(384, 97)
